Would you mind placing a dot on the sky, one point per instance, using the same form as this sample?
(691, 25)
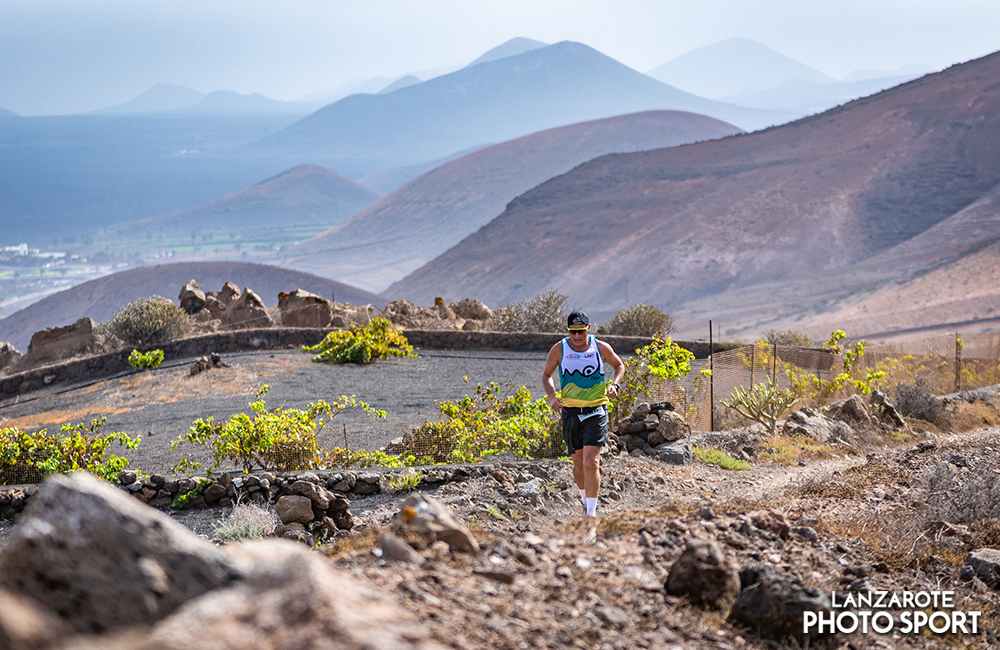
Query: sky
(67, 56)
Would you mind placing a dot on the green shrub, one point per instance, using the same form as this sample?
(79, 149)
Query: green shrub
(543, 312)
(716, 457)
(149, 320)
(278, 440)
(641, 320)
(662, 359)
(790, 338)
(365, 344)
(151, 359)
(29, 457)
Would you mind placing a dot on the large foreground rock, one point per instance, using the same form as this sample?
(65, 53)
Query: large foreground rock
(807, 422)
(100, 560)
(773, 604)
(289, 598)
(704, 575)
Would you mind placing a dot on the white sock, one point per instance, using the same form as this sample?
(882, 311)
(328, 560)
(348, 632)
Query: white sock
(583, 496)
(591, 506)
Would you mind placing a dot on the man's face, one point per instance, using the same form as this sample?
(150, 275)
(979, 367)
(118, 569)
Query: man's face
(578, 336)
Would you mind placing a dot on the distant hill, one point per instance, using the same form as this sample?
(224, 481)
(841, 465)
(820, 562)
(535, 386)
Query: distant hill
(225, 101)
(733, 66)
(778, 227)
(100, 298)
(387, 179)
(158, 99)
(911, 71)
(437, 210)
(494, 101)
(402, 82)
(304, 197)
(6, 113)
(513, 47)
(807, 97)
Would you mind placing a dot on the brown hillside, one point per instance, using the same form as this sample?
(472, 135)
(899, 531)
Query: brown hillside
(100, 298)
(435, 211)
(304, 196)
(758, 229)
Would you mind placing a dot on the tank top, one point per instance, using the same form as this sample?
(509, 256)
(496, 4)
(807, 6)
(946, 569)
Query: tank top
(581, 375)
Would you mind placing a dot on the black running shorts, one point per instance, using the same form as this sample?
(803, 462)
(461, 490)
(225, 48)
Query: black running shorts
(590, 432)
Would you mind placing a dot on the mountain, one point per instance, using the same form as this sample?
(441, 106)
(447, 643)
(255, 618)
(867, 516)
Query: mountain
(494, 101)
(513, 47)
(100, 298)
(733, 66)
(803, 97)
(304, 198)
(776, 227)
(402, 82)
(6, 113)
(158, 99)
(426, 216)
(226, 101)
(387, 179)
(912, 70)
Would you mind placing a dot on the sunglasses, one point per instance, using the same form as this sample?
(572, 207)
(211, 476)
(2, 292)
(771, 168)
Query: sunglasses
(581, 331)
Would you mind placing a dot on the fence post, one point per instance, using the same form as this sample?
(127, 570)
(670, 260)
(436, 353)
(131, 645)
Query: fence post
(753, 363)
(958, 363)
(774, 368)
(711, 379)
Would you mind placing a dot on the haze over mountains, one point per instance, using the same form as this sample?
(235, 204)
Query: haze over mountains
(435, 211)
(304, 199)
(493, 101)
(778, 226)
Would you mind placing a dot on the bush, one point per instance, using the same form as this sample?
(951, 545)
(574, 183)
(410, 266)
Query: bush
(279, 440)
(475, 428)
(660, 360)
(29, 457)
(915, 401)
(641, 320)
(543, 312)
(365, 344)
(763, 403)
(151, 359)
(246, 521)
(716, 457)
(790, 338)
(149, 320)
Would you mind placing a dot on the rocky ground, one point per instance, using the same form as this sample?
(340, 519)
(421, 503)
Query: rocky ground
(895, 512)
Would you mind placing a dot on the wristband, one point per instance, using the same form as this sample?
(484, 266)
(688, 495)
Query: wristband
(615, 384)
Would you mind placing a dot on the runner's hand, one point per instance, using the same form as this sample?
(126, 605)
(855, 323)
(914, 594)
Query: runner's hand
(555, 403)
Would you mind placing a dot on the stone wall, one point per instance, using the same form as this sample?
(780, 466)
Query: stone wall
(292, 337)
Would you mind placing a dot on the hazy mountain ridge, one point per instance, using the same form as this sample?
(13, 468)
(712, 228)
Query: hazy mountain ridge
(306, 195)
(753, 228)
(426, 216)
(495, 101)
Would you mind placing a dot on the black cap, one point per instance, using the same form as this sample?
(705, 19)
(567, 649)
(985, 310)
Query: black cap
(577, 320)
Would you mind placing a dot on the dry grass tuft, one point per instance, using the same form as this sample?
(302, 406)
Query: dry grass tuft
(246, 521)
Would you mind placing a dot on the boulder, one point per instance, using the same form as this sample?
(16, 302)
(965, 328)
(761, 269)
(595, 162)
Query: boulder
(8, 354)
(431, 518)
(303, 309)
(100, 560)
(671, 427)
(227, 294)
(214, 307)
(319, 496)
(27, 625)
(192, 298)
(674, 453)
(887, 411)
(247, 311)
(396, 550)
(289, 598)
(807, 422)
(470, 309)
(54, 343)
(772, 605)
(294, 508)
(704, 575)
(986, 564)
(852, 411)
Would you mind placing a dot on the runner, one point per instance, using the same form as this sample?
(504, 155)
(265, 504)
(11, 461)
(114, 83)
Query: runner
(582, 361)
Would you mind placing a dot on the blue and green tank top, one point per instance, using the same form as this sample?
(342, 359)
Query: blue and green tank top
(581, 375)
